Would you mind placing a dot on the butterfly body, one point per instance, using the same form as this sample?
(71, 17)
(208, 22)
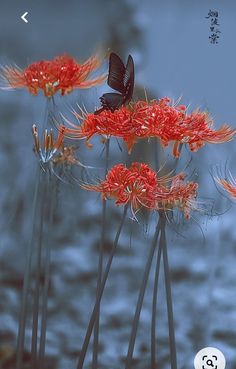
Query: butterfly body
(121, 79)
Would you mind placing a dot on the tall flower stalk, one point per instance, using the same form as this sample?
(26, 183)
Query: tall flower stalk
(161, 251)
(154, 309)
(51, 197)
(163, 246)
(36, 295)
(139, 304)
(100, 264)
(182, 195)
(39, 248)
(95, 311)
(26, 281)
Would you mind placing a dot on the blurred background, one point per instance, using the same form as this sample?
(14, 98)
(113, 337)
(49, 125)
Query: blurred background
(169, 41)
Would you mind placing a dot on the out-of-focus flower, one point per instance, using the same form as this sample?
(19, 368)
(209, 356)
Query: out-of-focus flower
(228, 185)
(157, 118)
(66, 156)
(50, 146)
(181, 195)
(63, 73)
(140, 187)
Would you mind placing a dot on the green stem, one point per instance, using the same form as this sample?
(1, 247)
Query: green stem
(141, 297)
(26, 282)
(47, 113)
(154, 308)
(50, 197)
(169, 302)
(100, 268)
(163, 249)
(98, 299)
(37, 276)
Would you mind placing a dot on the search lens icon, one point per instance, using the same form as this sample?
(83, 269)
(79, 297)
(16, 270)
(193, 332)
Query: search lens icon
(210, 362)
(209, 358)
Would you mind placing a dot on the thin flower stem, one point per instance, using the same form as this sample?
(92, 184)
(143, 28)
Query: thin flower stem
(47, 113)
(100, 267)
(163, 246)
(141, 297)
(26, 282)
(37, 276)
(50, 197)
(167, 283)
(157, 153)
(169, 302)
(177, 159)
(154, 308)
(37, 203)
(98, 299)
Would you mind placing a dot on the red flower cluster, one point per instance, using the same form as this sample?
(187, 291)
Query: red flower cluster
(157, 118)
(196, 129)
(140, 187)
(135, 185)
(63, 73)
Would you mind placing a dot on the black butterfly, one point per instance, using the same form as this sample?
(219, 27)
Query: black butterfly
(121, 79)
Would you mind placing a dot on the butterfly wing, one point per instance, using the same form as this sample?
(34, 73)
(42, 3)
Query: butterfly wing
(128, 80)
(116, 73)
(111, 101)
(121, 79)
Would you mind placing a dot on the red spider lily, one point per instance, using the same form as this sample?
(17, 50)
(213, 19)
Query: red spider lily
(50, 146)
(140, 186)
(135, 185)
(196, 129)
(63, 73)
(133, 122)
(152, 119)
(181, 195)
(228, 185)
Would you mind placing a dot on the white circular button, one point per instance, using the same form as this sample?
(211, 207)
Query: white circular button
(209, 358)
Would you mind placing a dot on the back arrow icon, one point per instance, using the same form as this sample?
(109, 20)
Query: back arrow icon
(23, 17)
